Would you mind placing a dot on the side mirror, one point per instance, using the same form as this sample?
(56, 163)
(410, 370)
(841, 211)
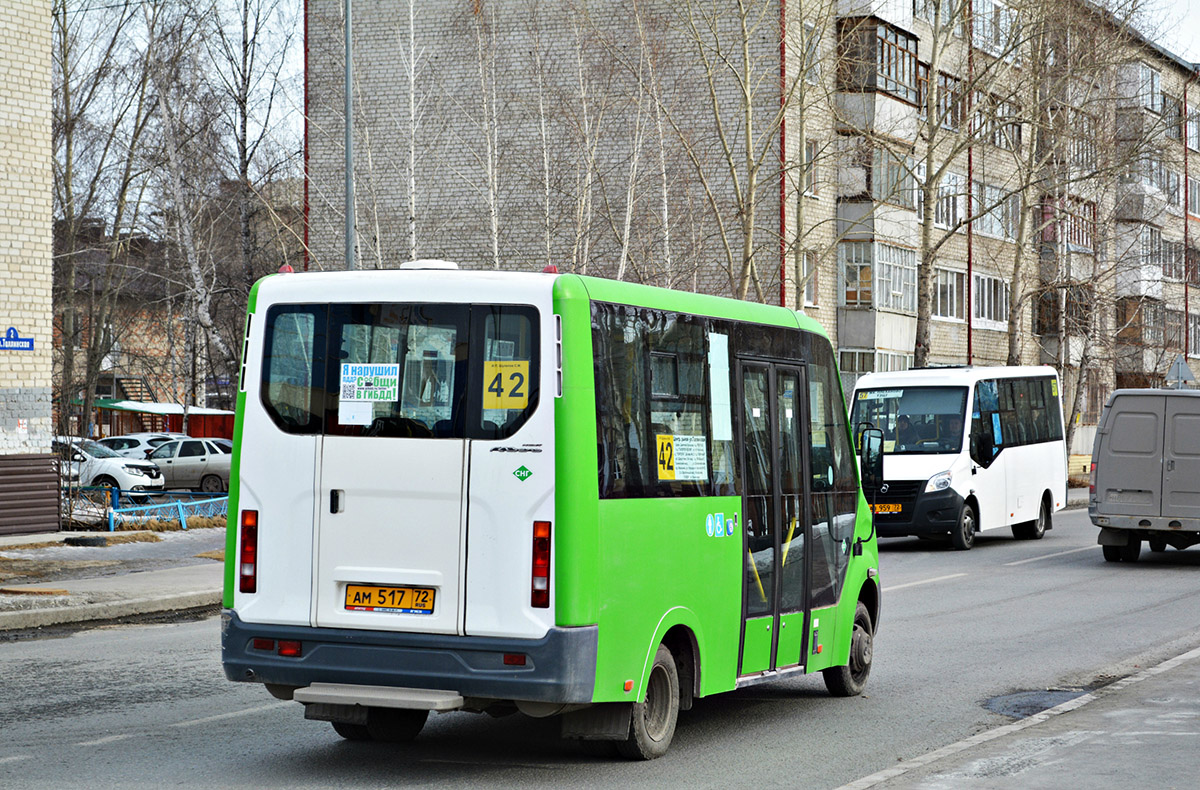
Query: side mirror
(870, 459)
(78, 458)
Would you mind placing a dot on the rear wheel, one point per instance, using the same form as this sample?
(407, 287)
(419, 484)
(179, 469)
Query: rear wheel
(1036, 529)
(850, 680)
(211, 484)
(1157, 545)
(963, 536)
(653, 722)
(1112, 553)
(1131, 550)
(351, 732)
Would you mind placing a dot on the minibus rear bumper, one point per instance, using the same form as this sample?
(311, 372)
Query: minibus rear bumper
(933, 513)
(559, 667)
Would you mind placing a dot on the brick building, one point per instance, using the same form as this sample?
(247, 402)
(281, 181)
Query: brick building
(845, 147)
(28, 483)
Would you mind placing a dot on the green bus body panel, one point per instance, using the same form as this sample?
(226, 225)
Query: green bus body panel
(791, 639)
(231, 517)
(756, 651)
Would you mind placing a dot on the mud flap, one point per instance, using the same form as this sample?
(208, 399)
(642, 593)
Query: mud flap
(606, 721)
(1113, 537)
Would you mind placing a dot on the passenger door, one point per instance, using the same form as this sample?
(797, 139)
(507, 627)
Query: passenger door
(190, 463)
(775, 578)
(1181, 458)
(988, 475)
(164, 458)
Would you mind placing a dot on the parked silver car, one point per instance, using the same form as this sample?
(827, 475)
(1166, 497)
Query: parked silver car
(138, 445)
(193, 463)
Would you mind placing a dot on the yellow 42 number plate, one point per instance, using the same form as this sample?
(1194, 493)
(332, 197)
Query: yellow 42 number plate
(893, 508)
(402, 600)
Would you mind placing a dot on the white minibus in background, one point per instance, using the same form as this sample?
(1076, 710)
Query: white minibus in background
(966, 449)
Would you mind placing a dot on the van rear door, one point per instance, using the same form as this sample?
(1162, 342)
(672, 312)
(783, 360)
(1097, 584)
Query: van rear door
(1129, 466)
(1181, 457)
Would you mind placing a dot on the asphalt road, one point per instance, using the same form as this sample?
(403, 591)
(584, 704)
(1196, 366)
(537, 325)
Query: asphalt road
(961, 632)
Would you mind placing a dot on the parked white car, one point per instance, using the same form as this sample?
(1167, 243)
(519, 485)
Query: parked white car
(138, 445)
(194, 463)
(97, 465)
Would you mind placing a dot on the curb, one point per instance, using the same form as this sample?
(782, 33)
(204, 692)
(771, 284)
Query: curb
(886, 774)
(107, 610)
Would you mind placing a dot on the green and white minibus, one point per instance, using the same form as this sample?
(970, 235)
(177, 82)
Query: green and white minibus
(497, 491)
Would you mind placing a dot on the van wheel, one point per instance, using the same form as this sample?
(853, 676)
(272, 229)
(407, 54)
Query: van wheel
(395, 725)
(211, 484)
(1131, 550)
(849, 681)
(963, 536)
(1157, 545)
(1036, 529)
(352, 732)
(653, 722)
(1112, 553)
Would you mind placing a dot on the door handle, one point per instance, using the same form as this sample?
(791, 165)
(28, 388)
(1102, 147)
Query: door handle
(335, 500)
(1171, 465)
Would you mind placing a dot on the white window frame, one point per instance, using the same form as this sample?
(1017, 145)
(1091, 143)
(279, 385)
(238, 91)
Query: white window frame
(950, 209)
(990, 302)
(949, 295)
(1150, 87)
(895, 269)
(809, 289)
(859, 256)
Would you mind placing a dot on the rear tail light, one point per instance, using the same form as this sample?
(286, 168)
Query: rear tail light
(539, 596)
(1092, 479)
(289, 647)
(248, 555)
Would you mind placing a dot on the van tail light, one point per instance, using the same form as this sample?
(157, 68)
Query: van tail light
(248, 554)
(539, 596)
(1092, 479)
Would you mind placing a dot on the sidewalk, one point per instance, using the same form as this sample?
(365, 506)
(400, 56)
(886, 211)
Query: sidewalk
(108, 582)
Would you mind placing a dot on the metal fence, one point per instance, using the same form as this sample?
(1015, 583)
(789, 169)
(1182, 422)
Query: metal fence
(98, 507)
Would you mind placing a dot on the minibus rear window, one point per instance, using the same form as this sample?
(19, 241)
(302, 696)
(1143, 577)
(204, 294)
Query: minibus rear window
(403, 370)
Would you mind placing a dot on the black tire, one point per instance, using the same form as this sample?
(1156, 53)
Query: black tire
(211, 484)
(1131, 550)
(963, 535)
(104, 481)
(1112, 553)
(653, 723)
(352, 732)
(850, 680)
(1036, 529)
(386, 725)
(1157, 545)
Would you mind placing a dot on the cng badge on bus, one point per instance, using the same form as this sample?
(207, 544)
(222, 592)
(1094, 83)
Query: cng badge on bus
(717, 526)
(522, 474)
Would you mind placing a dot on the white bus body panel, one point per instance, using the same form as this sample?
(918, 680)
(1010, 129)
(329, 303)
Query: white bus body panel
(445, 513)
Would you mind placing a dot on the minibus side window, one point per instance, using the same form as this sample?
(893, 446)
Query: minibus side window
(293, 390)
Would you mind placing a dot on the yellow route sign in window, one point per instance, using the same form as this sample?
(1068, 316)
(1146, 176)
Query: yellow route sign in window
(506, 384)
(666, 456)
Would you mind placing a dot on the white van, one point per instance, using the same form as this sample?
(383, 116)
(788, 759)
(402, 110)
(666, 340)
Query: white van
(966, 449)
(1145, 476)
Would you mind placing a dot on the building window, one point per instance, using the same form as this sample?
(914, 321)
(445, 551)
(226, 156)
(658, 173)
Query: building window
(1075, 220)
(855, 259)
(995, 24)
(1172, 260)
(1151, 87)
(856, 363)
(1173, 329)
(811, 180)
(991, 301)
(1151, 244)
(1083, 141)
(874, 56)
(1194, 335)
(1172, 111)
(950, 294)
(950, 101)
(1193, 131)
(950, 211)
(1170, 186)
(1193, 197)
(1097, 396)
(812, 58)
(1152, 323)
(1192, 261)
(892, 179)
(998, 213)
(928, 9)
(809, 263)
(896, 278)
(1003, 125)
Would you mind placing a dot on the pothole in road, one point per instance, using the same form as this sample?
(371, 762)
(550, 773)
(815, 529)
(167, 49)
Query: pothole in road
(1022, 704)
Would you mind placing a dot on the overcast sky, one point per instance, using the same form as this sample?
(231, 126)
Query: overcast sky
(1179, 23)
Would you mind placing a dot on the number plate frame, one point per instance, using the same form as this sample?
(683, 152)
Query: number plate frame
(390, 598)
(889, 507)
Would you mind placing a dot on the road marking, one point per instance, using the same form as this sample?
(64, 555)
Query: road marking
(102, 741)
(925, 581)
(1055, 554)
(231, 715)
(16, 758)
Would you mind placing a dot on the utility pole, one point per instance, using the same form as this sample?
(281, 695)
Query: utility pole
(351, 225)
